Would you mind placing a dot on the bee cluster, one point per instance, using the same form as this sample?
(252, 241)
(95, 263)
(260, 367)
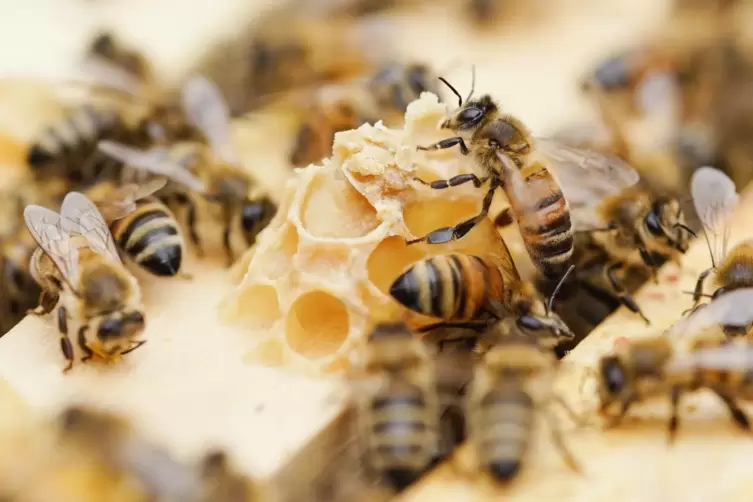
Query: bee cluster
(468, 348)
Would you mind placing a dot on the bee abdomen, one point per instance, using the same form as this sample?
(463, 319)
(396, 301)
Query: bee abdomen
(454, 286)
(150, 237)
(548, 233)
(505, 427)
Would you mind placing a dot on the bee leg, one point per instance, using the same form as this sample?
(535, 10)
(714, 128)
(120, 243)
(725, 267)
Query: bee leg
(454, 181)
(674, 420)
(738, 415)
(474, 325)
(65, 342)
(624, 407)
(650, 263)
(559, 443)
(192, 234)
(447, 234)
(619, 289)
(447, 143)
(505, 218)
(47, 302)
(698, 291)
(133, 347)
(227, 245)
(88, 353)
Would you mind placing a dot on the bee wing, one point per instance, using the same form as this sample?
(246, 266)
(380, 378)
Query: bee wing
(47, 229)
(154, 161)
(80, 215)
(714, 198)
(122, 201)
(734, 308)
(732, 357)
(586, 177)
(207, 110)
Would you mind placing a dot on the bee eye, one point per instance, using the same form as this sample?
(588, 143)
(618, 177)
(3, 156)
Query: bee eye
(254, 213)
(613, 376)
(653, 225)
(470, 115)
(530, 323)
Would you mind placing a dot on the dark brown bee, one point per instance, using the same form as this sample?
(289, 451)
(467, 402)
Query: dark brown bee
(509, 156)
(511, 384)
(651, 367)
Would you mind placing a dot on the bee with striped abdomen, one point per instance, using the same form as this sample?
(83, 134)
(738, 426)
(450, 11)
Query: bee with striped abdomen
(399, 407)
(646, 368)
(213, 173)
(81, 275)
(542, 179)
(143, 227)
(511, 385)
(469, 291)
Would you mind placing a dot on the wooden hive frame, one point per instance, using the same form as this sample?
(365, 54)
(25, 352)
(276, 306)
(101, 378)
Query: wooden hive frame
(186, 393)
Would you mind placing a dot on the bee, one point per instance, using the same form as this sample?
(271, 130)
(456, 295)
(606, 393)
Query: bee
(221, 483)
(512, 382)
(466, 291)
(399, 409)
(214, 174)
(645, 368)
(111, 440)
(341, 107)
(107, 48)
(143, 227)
(81, 274)
(508, 156)
(714, 198)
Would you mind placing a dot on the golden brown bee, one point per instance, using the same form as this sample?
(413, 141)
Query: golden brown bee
(649, 367)
(469, 291)
(509, 156)
(221, 483)
(80, 272)
(214, 174)
(341, 107)
(511, 384)
(107, 48)
(715, 197)
(112, 441)
(399, 408)
(143, 227)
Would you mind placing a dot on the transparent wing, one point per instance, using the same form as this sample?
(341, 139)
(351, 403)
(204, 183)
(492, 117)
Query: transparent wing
(586, 177)
(154, 161)
(107, 74)
(714, 197)
(122, 201)
(80, 215)
(735, 356)
(731, 309)
(47, 229)
(206, 109)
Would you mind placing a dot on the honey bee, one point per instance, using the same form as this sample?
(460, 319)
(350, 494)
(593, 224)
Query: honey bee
(107, 48)
(112, 440)
(214, 174)
(80, 272)
(221, 483)
(645, 368)
(715, 197)
(341, 107)
(512, 382)
(142, 226)
(525, 167)
(399, 408)
(468, 291)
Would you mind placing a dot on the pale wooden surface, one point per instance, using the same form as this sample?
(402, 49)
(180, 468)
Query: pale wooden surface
(189, 386)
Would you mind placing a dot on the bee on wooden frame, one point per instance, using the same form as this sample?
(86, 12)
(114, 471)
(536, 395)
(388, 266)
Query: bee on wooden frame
(656, 366)
(81, 275)
(213, 174)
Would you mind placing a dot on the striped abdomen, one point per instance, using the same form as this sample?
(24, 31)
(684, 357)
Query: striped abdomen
(547, 231)
(69, 147)
(402, 439)
(150, 236)
(452, 287)
(502, 427)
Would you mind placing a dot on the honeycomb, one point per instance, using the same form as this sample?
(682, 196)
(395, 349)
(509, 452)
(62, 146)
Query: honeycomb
(338, 241)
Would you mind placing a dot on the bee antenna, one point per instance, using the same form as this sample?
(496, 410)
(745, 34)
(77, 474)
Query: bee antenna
(686, 228)
(702, 295)
(473, 83)
(454, 91)
(557, 289)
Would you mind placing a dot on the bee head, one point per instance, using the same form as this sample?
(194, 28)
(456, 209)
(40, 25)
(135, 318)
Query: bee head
(666, 223)
(255, 216)
(471, 115)
(118, 329)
